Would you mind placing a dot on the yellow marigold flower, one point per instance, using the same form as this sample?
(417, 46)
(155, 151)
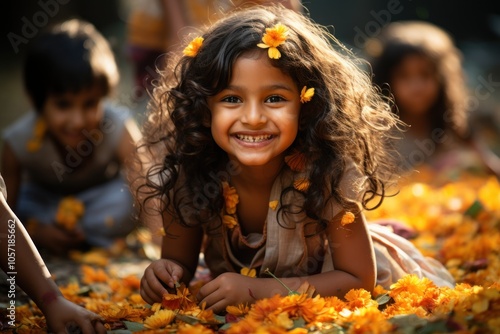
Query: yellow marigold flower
(283, 320)
(306, 94)
(160, 319)
(273, 38)
(296, 161)
(347, 218)
(273, 204)
(69, 212)
(250, 272)
(193, 47)
(301, 184)
(231, 197)
(229, 221)
(411, 284)
(240, 310)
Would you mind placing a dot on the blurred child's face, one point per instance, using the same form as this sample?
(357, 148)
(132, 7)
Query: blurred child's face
(68, 114)
(255, 119)
(415, 85)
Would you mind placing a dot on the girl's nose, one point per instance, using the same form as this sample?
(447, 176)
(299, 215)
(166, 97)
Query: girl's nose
(77, 120)
(253, 115)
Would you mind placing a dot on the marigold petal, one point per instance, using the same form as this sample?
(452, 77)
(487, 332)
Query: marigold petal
(160, 319)
(250, 272)
(347, 218)
(306, 94)
(273, 204)
(301, 184)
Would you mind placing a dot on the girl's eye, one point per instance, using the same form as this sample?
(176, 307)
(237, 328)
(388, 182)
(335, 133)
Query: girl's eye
(63, 104)
(275, 99)
(231, 99)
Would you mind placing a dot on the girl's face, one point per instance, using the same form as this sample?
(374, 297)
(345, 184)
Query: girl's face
(68, 115)
(415, 85)
(255, 119)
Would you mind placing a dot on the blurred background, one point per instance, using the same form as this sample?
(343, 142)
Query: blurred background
(474, 25)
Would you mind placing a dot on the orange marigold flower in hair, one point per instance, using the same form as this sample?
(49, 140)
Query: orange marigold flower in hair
(273, 38)
(301, 184)
(306, 94)
(193, 47)
(229, 221)
(296, 161)
(231, 197)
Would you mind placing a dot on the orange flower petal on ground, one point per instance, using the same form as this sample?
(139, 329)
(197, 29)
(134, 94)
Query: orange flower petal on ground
(193, 47)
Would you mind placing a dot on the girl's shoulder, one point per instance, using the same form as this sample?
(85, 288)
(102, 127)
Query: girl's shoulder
(21, 128)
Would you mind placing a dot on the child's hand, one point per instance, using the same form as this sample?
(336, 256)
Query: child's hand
(158, 274)
(62, 313)
(55, 239)
(228, 289)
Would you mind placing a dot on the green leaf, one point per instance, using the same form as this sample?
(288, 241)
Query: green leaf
(134, 326)
(189, 319)
(434, 327)
(383, 299)
(474, 209)
(408, 323)
(299, 323)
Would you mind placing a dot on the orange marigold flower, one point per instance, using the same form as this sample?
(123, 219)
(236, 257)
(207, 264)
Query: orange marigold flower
(306, 94)
(193, 47)
(194, 329)
(231, 197)
(273, 205)
(250, 272)
(358, 298)
(69, 212)
(160, 319)
(411, 284)
(296, 161)
(273, 38)
(301, 184)
(39, 130)
(179, 301)
(240, 310)
(91, 275)
(347, 218)
(229, 221)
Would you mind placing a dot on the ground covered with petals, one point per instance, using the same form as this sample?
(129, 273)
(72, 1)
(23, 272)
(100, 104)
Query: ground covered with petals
(456, 222)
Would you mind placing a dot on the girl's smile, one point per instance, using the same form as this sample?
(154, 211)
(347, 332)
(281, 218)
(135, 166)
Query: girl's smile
(255, 119)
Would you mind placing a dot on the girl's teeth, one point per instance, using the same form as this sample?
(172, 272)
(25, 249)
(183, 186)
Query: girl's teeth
(253, 139)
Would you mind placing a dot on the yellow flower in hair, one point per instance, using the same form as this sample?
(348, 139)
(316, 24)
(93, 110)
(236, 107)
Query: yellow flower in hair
(273, 38)
(193, 47)
(306, 94)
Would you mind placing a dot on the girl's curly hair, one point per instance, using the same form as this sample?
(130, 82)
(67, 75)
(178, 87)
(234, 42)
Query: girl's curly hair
(346, 120)
(401, 39)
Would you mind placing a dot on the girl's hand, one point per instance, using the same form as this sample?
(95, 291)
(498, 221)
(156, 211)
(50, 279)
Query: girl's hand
(228, 289)
(156, 275)
(56, 239)
(61, 313)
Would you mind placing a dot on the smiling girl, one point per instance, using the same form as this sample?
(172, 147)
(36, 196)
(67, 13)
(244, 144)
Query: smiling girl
(268, 143)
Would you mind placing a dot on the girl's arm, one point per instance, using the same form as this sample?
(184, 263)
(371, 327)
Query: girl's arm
(353, 259)
(24, 266)
(11, 172)
(179, 260)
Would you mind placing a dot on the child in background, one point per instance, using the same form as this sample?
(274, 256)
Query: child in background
(423, 69)
(70, 152)
(266, 144)
(33, 277)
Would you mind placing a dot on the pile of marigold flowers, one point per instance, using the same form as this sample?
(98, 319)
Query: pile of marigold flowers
(456, 222)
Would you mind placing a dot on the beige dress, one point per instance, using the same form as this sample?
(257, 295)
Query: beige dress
(288, 246)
